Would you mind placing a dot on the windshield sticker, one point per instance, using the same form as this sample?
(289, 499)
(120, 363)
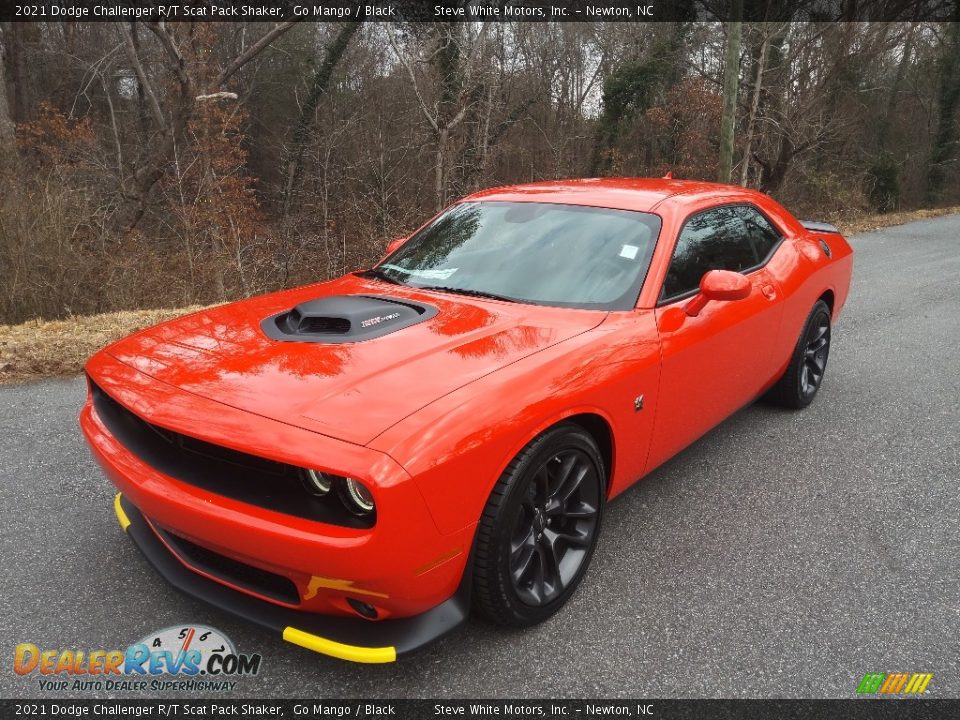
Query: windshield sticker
(441, 274)
(629, 252)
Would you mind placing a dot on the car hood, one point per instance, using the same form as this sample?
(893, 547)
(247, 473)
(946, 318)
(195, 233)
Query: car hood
(351, 391)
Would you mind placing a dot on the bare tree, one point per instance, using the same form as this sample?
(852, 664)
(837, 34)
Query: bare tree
(248, 158)
(453, 54)
(945, 142)
(760, 64)
(6, 121)
(318, 86)
(172, 125)
(731, 83)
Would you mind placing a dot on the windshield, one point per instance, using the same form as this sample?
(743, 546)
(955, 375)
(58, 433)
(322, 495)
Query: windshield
(542, 253)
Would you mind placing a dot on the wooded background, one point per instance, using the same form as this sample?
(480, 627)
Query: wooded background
(151, 165)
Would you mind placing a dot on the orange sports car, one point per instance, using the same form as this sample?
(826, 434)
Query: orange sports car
(356, 463)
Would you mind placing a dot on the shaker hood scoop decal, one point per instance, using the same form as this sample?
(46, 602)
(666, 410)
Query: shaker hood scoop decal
(346, 319)
(378, 319)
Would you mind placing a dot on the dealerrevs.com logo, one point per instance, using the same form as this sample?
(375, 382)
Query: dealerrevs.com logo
(185, 658)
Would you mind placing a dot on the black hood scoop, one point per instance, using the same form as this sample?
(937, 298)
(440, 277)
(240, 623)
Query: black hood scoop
(346, 318)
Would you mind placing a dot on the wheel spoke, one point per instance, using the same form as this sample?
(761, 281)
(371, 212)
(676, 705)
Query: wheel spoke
(567, 467)
(553, 583)
(541, 485)
(522, 560)
(815, 347)
(539, 585)
(561, 496)
(579, 511)
(527, 504)
(818, 363)
(522, 539)
(570, 539)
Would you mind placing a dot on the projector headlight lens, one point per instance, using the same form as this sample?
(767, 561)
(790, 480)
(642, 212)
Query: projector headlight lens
(356, 497)
(318, 483)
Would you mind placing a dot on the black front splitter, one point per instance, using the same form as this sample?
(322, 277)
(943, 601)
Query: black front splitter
(346, 638)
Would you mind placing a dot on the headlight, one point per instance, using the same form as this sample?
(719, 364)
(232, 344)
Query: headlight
(356, 497)
(317, 483)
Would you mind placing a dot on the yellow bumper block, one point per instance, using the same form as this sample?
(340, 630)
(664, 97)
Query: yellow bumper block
(351, 653)
(121, 515)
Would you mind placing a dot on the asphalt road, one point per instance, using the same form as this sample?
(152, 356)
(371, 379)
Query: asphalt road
(783, 555)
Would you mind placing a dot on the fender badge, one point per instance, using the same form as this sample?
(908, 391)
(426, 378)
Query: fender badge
(638, 403)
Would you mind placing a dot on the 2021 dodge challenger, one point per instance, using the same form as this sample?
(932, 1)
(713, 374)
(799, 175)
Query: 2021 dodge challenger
(356, 463)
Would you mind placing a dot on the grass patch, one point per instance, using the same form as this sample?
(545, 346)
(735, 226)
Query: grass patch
(39, 348)
(869, 223)
(49, 348)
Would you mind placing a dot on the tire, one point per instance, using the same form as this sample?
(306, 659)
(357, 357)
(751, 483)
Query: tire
(539, 528)
(808, 364)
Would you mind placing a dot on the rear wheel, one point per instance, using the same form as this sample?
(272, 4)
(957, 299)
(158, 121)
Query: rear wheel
(802, 379)
(539, 528)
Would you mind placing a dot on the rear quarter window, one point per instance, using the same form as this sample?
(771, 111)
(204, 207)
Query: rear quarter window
(761, 233)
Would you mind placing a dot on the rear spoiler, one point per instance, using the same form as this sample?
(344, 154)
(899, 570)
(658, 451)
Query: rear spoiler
(823, 227)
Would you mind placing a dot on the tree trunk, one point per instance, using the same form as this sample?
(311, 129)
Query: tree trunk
(18, 37)
(754, 108)
(773, 175)
(945, 142)
(439, 178)
(731, 82)
(154, 167)
(143, 114)
(894, 91)
(7, 142)
(321, 80)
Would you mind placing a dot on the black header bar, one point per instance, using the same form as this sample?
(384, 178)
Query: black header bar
(476, 10)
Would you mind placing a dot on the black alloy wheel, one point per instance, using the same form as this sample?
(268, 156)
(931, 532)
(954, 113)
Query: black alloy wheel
(815, 355)
(540, 527)
(804, 375)
(555, 527)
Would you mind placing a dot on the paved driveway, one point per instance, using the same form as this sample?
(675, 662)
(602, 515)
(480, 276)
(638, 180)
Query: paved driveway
(783, 555)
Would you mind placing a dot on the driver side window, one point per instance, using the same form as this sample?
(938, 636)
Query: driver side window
(716, 239)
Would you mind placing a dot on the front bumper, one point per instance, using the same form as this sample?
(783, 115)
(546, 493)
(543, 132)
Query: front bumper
(404, 565)
(315, 583)
(346, 638)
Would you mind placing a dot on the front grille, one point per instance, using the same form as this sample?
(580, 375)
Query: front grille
(237, 475)
(234, 572)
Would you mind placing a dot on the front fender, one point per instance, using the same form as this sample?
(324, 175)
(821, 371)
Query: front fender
(457, 447)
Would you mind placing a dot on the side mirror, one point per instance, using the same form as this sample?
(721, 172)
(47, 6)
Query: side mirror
(395, 243)
(722, 285)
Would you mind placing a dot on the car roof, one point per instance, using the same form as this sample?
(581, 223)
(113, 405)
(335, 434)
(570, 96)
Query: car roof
(639, 194)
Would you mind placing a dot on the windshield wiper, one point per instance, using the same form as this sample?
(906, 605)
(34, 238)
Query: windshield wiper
(379, 275)
(471, 293)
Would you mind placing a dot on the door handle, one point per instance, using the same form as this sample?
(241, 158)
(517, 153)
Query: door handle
(768, 291)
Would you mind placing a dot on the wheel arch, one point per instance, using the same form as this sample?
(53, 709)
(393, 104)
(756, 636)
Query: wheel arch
(592, 420)
(829, 297)
(599, 429)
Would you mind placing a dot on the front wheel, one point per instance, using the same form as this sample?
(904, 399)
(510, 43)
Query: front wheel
(539, 528)
(802, 379)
